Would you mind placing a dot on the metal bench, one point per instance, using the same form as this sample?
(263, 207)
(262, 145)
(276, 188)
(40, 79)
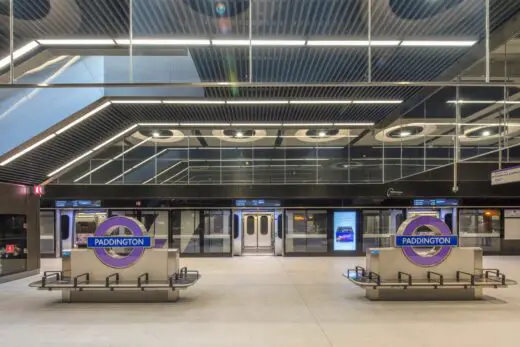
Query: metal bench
(54, 280)
(483, 278)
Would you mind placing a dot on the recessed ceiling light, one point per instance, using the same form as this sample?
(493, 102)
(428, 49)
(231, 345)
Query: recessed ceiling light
(156, 134)
(195, 102)
(28, 149)
(82, 118)
(405, 133)
(486, 133)
(320, 102)
(322, 133)
(257, 102)
(239, 134)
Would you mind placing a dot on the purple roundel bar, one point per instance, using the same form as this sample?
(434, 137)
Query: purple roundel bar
(435, 224)
(120, 262)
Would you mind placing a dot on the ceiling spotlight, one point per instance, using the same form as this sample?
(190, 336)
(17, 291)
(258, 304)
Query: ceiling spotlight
(405, 133)
(322, 133)
(239, 134)
(156, 134)
(486, 133)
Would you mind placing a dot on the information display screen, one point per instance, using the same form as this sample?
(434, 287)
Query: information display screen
(258, 203)
(345, 231)
(77, 203)
(435, 202)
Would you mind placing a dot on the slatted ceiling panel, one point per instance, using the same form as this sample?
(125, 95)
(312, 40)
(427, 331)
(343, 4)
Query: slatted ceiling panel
(412, 63)
(33, 167)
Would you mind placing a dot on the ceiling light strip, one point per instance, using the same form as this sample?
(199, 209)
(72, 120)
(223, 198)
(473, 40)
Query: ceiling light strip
(28, 149)
(111, 160)
(483, 102)
(136, 166)
(437, 43)
(195, 102)
(114, 137)
(353, 43)
(165, 42)
(84, 117)
(77, 42)
(162, 172)
(177, 174)
(18, 53)
(136, 101)
(70, 163)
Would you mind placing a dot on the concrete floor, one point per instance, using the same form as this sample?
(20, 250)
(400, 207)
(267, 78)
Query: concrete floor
(264, 301)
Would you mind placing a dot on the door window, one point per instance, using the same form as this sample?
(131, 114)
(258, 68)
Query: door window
(264, 225)
(250, 225)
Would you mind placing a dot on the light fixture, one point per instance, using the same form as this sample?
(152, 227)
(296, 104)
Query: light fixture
(257, 102)
(136, 101)
(156, 134)
(237, 42)
(377, 102)
(359, 124)
(256, 124)
(163, 172)
(165, 42)
(158, 124)
(486, 133)
(205, 124)
(18, 53)
(70, 163)
(115, 137)
(111, 160)
(195, 102)
(78, 42)
(433, 43)
(278, 42)
(319, 102)
(136, 166)
(82, 118)
(353, 43)
(405, 133)
(28, 149)
(308, 124)
(239, 134)
(486, 102)
(322, 133)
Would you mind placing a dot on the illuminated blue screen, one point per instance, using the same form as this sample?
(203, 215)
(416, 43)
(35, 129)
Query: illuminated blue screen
(344, 231)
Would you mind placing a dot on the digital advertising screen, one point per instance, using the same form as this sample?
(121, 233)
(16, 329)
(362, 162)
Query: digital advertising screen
(345, 231)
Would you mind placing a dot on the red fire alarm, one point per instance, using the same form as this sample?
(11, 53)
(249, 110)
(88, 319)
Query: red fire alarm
(38, 190)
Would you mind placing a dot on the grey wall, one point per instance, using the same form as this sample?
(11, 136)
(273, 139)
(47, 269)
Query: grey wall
(17, 199)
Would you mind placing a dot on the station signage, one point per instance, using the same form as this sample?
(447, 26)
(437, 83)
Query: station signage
(119, 241)
(426, 241)
(507, 175)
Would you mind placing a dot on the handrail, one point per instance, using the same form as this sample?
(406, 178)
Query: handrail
(107, 279)
(360, 269)
(400, 274)
(493, 271)
(377, 277)
(139, 282)
(48, 274)
(441, 277)
(87, 278)
(471, 276)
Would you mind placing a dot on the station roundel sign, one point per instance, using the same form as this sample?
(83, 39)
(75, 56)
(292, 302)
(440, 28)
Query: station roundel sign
(436, 255)
(116, 261)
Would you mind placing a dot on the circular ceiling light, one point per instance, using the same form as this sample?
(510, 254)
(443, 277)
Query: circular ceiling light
(321, 135)
(487, 132)
(405, 132)
(160, 135)
(240, 135)
(347, 165)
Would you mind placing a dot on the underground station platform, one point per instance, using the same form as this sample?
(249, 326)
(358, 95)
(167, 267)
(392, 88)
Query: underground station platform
(259, 173)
